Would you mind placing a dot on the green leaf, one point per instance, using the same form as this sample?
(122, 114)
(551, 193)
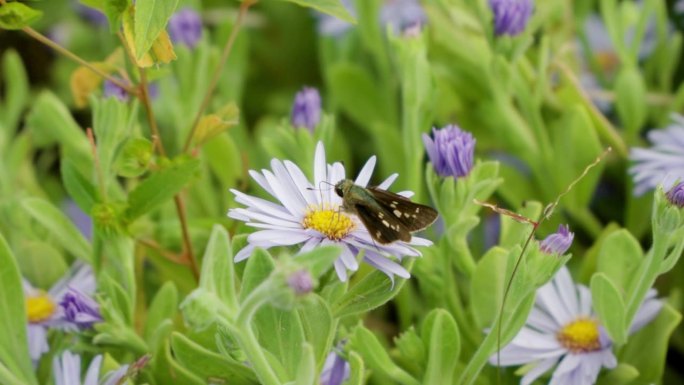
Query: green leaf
(281, 332)
(167, 370)
(14, 354)
(208, 364)
(319, 260)
(40, 263)
(620, 257)
(59, 226)
(487, 287)
(647, 348)
(151, 17)
(444, 348)
(16, 91)
(623, 374)
(357, 375)
(114, 10)
(331, 7)
(259, 266)
(50, 121)
(218, 274)
(376, 357)
(306, 372)
(17, 15)
(609, 306)
(318, 325)
(160, 187)
(163, 306)
(135, 157)
(110, 125)
(80, 189)
(373, 290)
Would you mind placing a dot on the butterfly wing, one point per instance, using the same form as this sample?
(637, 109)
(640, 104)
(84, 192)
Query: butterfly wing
(413, 216)
(382, 225)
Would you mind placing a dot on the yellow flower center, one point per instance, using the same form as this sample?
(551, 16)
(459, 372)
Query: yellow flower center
(39, 308)
(581, 335)
(331, 222)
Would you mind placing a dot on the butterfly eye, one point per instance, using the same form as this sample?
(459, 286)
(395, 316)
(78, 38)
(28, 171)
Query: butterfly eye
(338, 191)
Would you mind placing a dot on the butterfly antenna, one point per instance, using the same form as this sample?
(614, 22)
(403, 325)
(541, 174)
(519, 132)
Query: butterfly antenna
(546, 214)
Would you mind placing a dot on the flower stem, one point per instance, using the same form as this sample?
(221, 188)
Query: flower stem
(647, 276)
(45, 40)
(244, 7)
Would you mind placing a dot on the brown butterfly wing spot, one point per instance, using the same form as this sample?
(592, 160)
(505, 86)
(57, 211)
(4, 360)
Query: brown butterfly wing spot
(413, 216)
(381, 225)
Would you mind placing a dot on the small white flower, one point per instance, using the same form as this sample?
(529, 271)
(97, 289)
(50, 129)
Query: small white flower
(311, 215)
(563, 330)
(663, 163)
(43, 309)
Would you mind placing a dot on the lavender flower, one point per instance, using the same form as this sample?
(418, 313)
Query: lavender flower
(558, 242)
(663, 163)
(402, 15)
(676, 195)
(301, 282)
(92, 15)
(451, 151)
(110, 89)
(43, 310)
(335, 370)
(313, 218)
(83, 221)
(80, 309)
(562, 329)
(306, 109)
(185, 27)
(511, 16)
(66, 370)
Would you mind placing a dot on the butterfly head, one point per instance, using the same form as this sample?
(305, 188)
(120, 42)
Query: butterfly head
(342, 187)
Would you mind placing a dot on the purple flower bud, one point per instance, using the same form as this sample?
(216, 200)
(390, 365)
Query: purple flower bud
(92, 15)
(306, 110)
(113, 90)
(185, 27)
(558, 242)
(511, 16)
(676, 195)
(401, 15)
(451, 151)
(80, 309)
(335, 370)
(301, 282)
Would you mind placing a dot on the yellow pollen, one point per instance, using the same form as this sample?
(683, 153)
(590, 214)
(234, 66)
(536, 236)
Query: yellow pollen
(332, 223)
(581, 335)
(39, 308)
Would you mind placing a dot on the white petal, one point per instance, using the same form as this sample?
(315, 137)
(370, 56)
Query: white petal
(340, 270)
(646, 313)
(569, 363)
(542, 367)
(37, 341)
(243, 254)
(80, 277)
(366, 172)
(388, 182)
(320, 167)
(93, 373)
(566, 290)
(292, 202)
(262, 205)
(278, 237)
(288, 185)
(266, 218)
(261, 181)
(303, 184)
(385, 265)
(349, 259)
(406, 193)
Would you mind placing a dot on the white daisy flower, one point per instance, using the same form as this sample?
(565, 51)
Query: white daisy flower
(663, 163)
(311, 215)
(563, 331)
(44, 310)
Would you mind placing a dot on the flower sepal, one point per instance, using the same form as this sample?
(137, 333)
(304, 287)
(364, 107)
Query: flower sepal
(667, 217)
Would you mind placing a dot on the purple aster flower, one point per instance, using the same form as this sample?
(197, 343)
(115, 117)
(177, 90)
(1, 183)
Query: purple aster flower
(511, 16)
(112, 90)
(335, 370)
(451, 151)
(402, 15)
(185, 27)
(306, 109)
(558, 242)
(66, 370)
(563, 331)
(80, 309)
(663, 163)
(301, 282)
(43, 310)
(676, 195)
(312, 216)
